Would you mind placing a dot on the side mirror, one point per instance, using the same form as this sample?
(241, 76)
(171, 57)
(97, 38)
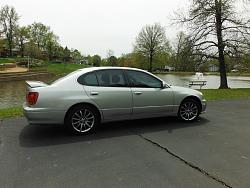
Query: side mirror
(164, 85)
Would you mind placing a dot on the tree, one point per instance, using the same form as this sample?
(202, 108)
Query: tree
(184, 58)
(76, 55)
(8, 23)
(38, 34)
(112, 61)
(22, 36)
(96, 60)
(66, 54)
(50, 44)
(150, 41)
(216, 31)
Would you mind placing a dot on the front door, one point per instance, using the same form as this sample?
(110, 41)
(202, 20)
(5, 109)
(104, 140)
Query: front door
(150, 99)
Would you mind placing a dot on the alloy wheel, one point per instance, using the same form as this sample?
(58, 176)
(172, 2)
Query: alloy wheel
(83, 120)
(189, 111)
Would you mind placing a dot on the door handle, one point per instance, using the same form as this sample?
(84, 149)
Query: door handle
(94, 93)
(138, 93)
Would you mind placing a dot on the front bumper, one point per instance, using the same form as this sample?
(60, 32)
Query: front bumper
(43, 115)
(203, 106)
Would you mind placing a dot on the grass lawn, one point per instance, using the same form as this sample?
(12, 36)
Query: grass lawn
(60, 69)
(226, 94)
(11, 112)
(210, 95)
(7, 60)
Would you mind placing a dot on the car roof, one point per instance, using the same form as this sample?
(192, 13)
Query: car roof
(89, 69)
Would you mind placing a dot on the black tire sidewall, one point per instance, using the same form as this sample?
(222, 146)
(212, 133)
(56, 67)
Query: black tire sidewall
(71, 113)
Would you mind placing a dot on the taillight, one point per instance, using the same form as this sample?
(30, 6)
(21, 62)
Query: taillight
(31, 98)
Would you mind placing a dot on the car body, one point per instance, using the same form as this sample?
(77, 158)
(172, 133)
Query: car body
(111, 93)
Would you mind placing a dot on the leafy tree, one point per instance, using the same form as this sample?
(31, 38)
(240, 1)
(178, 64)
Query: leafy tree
(8, 22)
(150, 41)
(217, 31)
(22, 36)
(76, 55)
(32, 50)
(112, 61)
(50, 44)
(38, 34)
(66, 54)
(96, 60)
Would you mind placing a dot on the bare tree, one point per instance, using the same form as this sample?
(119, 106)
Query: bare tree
(217, 31)
(8, 22)
(150, 41)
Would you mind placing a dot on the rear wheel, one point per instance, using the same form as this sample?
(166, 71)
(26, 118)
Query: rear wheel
(82, 119)
(189, 110)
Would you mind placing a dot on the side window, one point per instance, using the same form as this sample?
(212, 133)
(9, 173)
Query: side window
(88, 79)
(111, 78)
(143, 80)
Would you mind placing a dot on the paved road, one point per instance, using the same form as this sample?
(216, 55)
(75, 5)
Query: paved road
(212, 152)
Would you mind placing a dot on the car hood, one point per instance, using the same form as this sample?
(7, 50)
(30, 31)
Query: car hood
(186, 90)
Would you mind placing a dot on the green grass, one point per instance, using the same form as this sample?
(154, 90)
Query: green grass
(6, 60)
(60, 69)
(226, 94)
(11, 112)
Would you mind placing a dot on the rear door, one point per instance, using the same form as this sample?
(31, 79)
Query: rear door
(111, 93)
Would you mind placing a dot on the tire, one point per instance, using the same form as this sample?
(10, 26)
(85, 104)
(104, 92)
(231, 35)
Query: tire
(189, 110)
(82, 119)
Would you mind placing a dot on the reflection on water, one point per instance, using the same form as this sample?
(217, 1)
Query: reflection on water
(13, 93)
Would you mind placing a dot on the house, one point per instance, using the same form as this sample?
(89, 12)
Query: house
(213, 68)
(168, 68)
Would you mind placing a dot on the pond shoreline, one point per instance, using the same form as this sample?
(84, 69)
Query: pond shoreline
(17, 76)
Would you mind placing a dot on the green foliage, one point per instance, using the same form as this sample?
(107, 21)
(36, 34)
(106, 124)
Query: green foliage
(96, 61)
(112, 61)
(9, 23)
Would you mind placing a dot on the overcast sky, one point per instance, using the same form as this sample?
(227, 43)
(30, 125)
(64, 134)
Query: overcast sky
(94, 26)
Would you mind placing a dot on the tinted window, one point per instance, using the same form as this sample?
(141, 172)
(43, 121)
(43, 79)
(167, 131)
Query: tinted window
(144, 80)
(88, 79)
(111, 78)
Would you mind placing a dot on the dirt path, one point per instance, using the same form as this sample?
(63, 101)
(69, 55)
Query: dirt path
(15, 69)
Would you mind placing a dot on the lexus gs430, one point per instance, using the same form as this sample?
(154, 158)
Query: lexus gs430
(90, 96)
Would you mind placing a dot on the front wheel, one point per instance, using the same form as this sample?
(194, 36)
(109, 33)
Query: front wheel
(82, 119)
(189, 110)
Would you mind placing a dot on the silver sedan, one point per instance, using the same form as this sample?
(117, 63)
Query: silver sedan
(90, 96)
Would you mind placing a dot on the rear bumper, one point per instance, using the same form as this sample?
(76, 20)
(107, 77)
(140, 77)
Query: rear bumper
(43, 116)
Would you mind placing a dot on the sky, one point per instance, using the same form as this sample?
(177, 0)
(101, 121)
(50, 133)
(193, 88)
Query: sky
(96, 26)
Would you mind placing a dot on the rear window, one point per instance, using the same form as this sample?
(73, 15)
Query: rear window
(88, 79)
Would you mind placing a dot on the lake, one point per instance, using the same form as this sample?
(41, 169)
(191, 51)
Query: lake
(13, 93)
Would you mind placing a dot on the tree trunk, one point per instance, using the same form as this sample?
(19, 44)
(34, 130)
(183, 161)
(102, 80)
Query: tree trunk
(151, 63)
(10, 48)
(223, 74)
